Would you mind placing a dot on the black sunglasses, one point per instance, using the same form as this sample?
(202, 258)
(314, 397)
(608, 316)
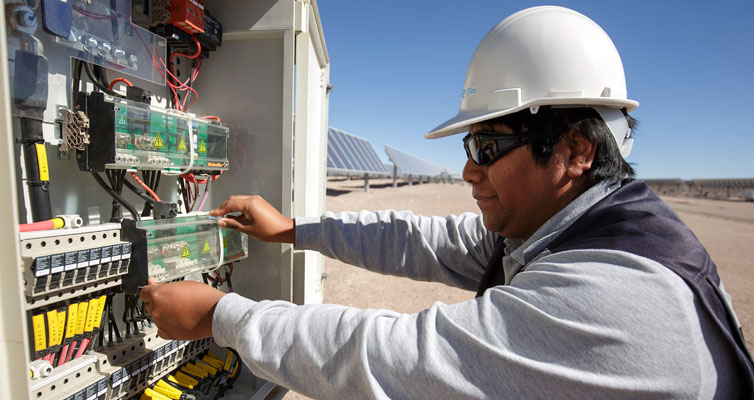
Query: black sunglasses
(484, 148)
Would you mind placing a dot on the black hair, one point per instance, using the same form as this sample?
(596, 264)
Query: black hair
(545, 128)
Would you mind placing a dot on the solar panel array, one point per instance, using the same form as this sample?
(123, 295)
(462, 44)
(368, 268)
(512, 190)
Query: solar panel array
(350, 154)
(415, 166)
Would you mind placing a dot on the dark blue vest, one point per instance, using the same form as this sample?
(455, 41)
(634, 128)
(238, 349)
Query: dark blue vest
(633, 219)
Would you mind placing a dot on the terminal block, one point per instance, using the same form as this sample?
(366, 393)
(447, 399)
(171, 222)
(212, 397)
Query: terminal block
(58, 265)
(169, 249)
(119, 372)
(127, 134)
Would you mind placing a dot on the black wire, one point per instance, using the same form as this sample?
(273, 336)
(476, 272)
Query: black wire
(76, 80)
(113, 321)
(184, 193)
(139, 193)
(157, 180)
(116, 196)
(121, 180)
(96, 82)
(125, 316)
(115, 212)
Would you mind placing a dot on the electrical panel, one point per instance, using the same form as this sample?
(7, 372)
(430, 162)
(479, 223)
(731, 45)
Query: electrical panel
(121, 134)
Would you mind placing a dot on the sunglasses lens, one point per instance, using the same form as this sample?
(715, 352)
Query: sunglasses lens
(483, 150)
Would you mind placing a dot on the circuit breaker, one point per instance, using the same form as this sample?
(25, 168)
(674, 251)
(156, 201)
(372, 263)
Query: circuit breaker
(125, 122)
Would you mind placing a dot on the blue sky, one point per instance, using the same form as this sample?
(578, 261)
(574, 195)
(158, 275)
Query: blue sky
(398, 67)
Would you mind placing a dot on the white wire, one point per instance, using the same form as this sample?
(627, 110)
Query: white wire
(222, 250)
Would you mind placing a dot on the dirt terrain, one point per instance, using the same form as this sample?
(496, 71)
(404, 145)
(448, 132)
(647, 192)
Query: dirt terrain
(726, 229)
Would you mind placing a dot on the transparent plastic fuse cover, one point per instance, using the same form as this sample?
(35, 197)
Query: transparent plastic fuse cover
(185, 245)
(149, 137)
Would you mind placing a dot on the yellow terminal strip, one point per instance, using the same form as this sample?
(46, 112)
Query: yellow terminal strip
(70, 328)
(183, 380)
(91, 315)
(217, 364)
(100, 310)
(61, 326)
(81, 317)
(208, 368)
(52, 327)
(228, 361)
(40, 339)
(167, 393)
(194, 370)
(213, 355)
(161, 383)
(151, 394)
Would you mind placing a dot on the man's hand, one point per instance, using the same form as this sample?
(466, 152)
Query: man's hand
(258, 219)
(181, 310)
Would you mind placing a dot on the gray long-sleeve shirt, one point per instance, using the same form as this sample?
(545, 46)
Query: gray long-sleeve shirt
(575, 324)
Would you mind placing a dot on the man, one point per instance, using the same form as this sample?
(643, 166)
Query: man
(588, 285)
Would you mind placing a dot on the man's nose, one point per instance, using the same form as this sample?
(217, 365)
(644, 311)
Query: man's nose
(472, 173)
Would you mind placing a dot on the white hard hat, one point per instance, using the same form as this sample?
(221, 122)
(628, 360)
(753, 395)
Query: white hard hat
(543, 56)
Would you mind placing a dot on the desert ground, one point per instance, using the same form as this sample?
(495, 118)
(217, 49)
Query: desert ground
(726, 228)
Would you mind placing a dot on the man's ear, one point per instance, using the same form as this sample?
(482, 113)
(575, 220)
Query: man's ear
(582, 152)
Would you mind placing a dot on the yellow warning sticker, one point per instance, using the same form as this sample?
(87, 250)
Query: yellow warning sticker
(202, 146)
(158, 143)
(206, 248)
(182, 144)
(186, 253)
(44, 171)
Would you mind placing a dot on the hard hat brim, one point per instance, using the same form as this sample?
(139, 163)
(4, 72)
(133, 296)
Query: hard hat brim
(460, 123)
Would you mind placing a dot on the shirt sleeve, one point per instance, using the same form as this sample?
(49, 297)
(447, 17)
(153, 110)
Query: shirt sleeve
(568, 326)
(453, 250)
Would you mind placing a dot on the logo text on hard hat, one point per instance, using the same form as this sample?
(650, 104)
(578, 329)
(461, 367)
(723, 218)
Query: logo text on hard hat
(468, 91)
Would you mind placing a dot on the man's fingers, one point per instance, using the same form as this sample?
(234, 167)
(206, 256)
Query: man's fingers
(162, 334)
(145, 294)
(230, 223)
(232, 204)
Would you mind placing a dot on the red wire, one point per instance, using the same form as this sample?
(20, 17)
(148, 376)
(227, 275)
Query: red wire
(116, 80)
(36, 226)
(212, 117)
(82, 348)
(173, 87)
(147, 188)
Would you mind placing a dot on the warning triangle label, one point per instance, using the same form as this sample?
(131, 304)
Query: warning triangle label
(182, 144)
(202, 147)
(186, 253)
(206, 248)
(158, 144)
